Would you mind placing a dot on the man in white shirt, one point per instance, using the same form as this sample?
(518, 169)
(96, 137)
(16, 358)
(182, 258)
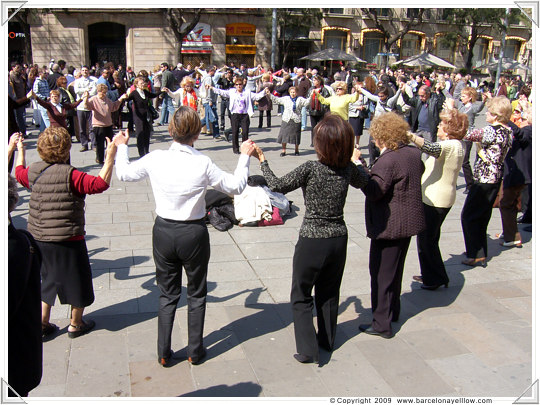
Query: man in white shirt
(82, 85)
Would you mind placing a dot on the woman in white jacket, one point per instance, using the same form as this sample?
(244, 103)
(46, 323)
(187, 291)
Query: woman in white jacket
(291, 123)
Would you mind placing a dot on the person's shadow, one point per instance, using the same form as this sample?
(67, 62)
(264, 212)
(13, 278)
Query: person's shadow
(244, 389)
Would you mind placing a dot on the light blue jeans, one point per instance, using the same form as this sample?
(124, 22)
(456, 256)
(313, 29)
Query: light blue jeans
(167, 108)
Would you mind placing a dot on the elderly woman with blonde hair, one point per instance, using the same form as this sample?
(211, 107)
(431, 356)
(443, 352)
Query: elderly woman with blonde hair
(495, 141)
(186, 95)
(394, 214)
(56, 221)
(339, 104)
(439, 192)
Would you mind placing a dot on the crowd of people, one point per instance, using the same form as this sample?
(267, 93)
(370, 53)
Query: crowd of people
(406, 195)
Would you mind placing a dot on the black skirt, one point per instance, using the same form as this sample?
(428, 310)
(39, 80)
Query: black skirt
(66, 272)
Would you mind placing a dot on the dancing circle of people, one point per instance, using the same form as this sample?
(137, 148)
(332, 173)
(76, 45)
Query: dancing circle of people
(406, 194)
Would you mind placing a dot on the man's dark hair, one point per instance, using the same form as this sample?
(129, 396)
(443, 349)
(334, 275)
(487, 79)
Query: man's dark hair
(71, 69)
(165, 64)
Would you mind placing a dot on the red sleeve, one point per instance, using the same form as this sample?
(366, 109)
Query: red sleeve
(21, 174)
(83, 183)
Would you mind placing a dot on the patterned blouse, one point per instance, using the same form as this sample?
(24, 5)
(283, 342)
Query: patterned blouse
(325, 191)
(496, 141)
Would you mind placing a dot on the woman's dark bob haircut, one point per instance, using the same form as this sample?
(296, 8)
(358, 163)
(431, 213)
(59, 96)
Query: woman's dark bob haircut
(333, 140)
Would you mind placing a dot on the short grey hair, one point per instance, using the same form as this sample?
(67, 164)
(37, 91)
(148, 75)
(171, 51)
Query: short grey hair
(13, 195)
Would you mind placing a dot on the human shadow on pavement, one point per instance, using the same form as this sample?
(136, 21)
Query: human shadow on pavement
(144, 307)
(244, 389)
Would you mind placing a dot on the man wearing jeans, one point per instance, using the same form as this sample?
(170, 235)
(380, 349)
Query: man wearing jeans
(209, 101)
(81, 85)
(167, 107)
(41, 88)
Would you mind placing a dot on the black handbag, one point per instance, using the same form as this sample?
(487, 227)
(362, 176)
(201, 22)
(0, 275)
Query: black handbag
(153, 112)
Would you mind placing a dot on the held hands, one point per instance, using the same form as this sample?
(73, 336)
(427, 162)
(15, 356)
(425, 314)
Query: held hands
(247, 147)
(450, 103)
(110, 151)
(267, 90)
(14, 140)
(258, 153)
(121, 138)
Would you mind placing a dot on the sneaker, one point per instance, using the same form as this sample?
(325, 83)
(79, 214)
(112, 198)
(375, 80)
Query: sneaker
(499, 236)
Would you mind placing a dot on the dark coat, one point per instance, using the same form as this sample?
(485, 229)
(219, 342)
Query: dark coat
(283, 89)
(394, 207)
(518, 160)
(25, 345)
(435, 104)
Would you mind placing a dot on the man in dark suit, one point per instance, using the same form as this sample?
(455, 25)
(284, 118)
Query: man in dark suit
(427, 106)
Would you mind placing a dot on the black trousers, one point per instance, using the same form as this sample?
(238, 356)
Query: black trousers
(239, 121)
(86, 132)
(100, 134)
(373, 151)
(261, 115)
(466, 166)
(178, 244)
(475, 217)
(224, 107)
(317, 263)
(427, 242)
(315, 119)
(386, 262)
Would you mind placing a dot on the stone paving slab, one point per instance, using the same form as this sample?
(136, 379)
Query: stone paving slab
(473, 338)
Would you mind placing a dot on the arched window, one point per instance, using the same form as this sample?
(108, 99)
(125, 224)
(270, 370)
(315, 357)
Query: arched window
(336, 39)
(107, 43)
(372, 45)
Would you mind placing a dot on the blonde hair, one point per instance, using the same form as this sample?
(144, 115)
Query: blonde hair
(390, 130)
(454, 123)
(187, 80)
(54, 144)
(500, 108)
(101, 87)
(341, 84)
(469, 91)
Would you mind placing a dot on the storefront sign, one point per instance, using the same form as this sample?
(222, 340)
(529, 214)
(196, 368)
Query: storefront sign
(198, 40)
(241, 29)
(16, 35)
(241, 49)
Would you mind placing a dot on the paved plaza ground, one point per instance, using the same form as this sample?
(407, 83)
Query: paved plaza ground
(472, 339)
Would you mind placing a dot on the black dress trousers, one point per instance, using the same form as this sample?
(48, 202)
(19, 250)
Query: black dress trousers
(319, 263)
(475, 217)
(239, 121)
(427, 242)
(178, 244)
(386, 262)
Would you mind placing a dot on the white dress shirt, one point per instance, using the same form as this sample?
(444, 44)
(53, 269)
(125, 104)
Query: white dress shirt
(179, 178)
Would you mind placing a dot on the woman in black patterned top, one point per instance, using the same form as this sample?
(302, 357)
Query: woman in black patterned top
(319, 257)
(495, 141)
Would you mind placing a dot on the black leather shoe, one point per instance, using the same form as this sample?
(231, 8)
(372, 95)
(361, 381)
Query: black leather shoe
(302, 358)
(433, 287)
(370, 331)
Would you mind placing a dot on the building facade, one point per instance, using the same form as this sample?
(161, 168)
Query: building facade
(142, 38)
